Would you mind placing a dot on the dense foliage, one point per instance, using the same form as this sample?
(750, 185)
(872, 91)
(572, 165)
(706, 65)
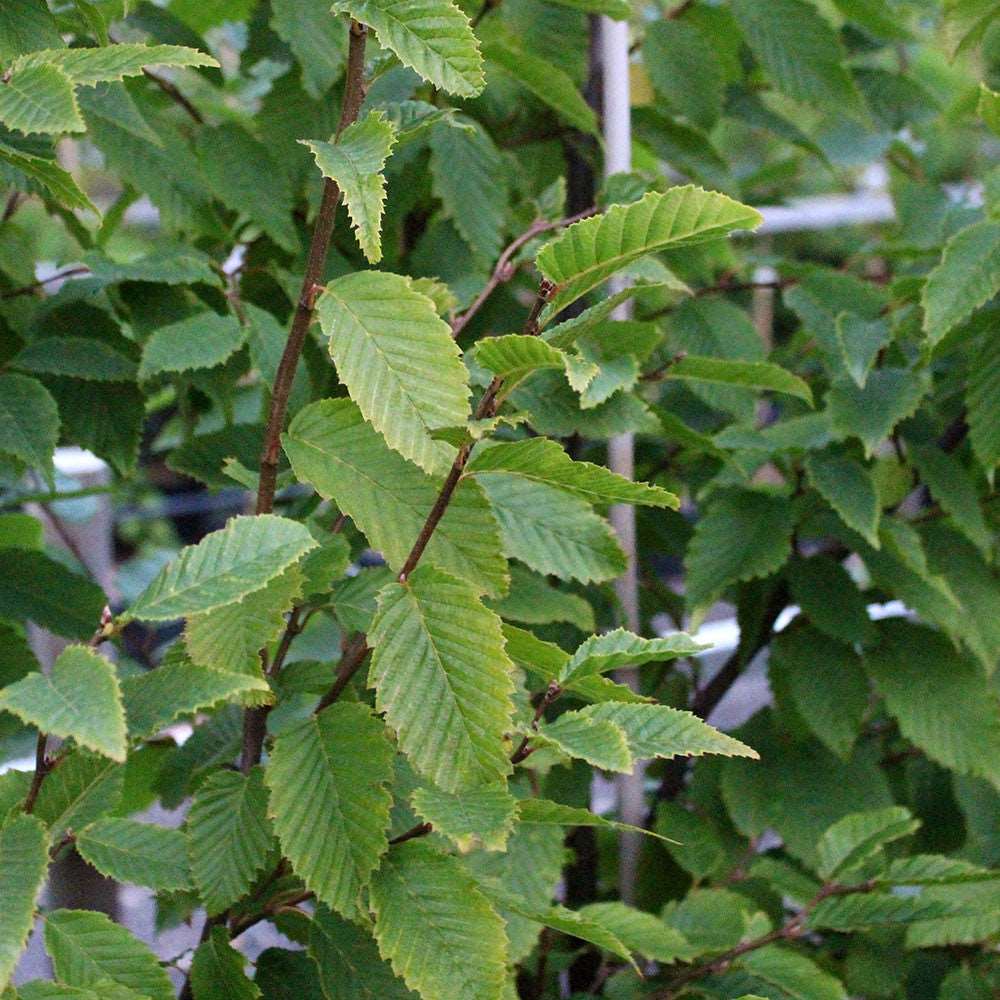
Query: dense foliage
(355, 262)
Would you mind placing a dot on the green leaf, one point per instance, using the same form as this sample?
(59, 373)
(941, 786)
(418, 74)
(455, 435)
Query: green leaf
(200, 341)
(356, 161)
(104, 989)
(826, 682)
(433, 37)
(661, 731)
(225, 566)
(967, 277)
(40, 99)
(26, 25)
(742, 536)
(550, 530)
(587, 253)
(595, 318)
(442, 679)
(599, 742)
(248, 179)
(88, 947)
(350, 967)
(171, 178)
(29, 421)
(330, 445)
(901, 567)
(75, 357)
(784, 974)
(533, 601)
(860, 342)
(81, 789)
(317, 40)
(989, 108)
(966, 21)
(543, 812)
(24, 862)
(759, 375)
(685, 69)
(36, 588)
(641, 932)
(157, 698)
(933, 869)
(558, 918)
(714, 920)
(436, 927)
(546, 660)
(329, 802)
(620, 648)
(800, 51)
(546, 81)
(229, 836)
(287, 975)
(217, 970)
(171, 265)
(80, 699)
(856, 837)
(544, 461)
(470, 178)
(399, 362)
(940, 699)
(870, 414)
(848, 487)
(474, 816)
(830, 599)
(952, 487)
(230, 638)
(59, 183)
(860, 912)
(515, 356)
(982, 400)
(85, 67)
(531, 868)
(139, 853)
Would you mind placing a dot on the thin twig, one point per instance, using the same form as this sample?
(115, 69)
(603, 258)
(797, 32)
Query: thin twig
(504, 271)
(171, 90)
(351, 661)
(42, 768)
(790, 930)
(552, 692)
(70, 272)
(255, 719)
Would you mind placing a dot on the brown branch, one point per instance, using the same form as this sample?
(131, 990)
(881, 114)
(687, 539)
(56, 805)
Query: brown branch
(255, 719)
(552, 692)
(171, 90)
(70, 272)
(420, 830)
(504, 271)
(790, 930)
(44, 766)
(315, 264)
(350, 663)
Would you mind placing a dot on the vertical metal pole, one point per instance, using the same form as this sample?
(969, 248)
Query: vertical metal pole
(617, 118)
